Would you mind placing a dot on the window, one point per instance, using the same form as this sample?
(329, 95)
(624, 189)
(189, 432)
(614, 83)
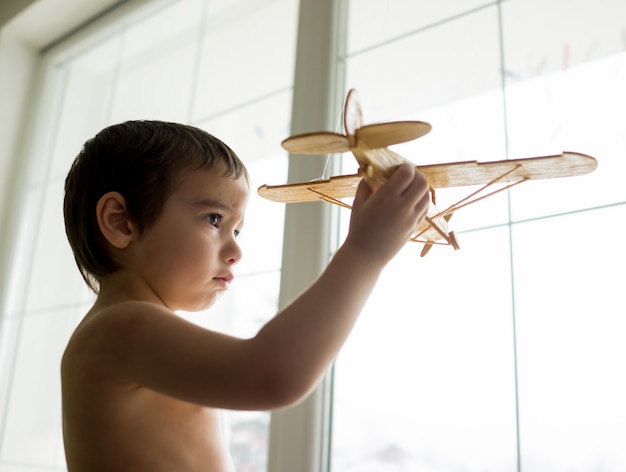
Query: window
(505, 355)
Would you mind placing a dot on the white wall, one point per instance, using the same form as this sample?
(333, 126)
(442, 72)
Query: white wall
(18, 63)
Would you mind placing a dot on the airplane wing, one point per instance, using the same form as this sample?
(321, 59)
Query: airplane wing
(461, 174)
(457, 174)
(342, 186)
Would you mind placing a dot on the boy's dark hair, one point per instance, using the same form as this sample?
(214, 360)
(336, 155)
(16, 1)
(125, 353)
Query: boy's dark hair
(141, 160)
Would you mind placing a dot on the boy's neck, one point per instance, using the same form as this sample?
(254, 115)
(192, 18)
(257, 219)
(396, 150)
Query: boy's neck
(122, 287)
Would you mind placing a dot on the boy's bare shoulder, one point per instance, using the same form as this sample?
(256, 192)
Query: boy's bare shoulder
(105, 333)
(113, 320)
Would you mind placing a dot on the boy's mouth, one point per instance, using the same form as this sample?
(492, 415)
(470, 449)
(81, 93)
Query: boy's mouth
(225, 279)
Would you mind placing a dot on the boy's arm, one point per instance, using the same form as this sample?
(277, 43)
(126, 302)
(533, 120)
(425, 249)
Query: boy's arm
(140, 343)
(305, 337)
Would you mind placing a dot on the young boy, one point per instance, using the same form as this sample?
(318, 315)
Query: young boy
(152, 212)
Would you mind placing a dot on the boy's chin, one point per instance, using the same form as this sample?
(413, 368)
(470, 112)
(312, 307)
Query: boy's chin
(209, 303)
(201, 305)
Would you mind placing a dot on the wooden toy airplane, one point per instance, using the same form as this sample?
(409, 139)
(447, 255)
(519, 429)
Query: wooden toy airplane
(369, 144)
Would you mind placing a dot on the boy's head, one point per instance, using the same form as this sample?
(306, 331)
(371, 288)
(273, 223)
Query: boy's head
(141, 160)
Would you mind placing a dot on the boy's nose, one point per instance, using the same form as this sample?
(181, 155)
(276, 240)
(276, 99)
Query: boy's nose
(232, 253)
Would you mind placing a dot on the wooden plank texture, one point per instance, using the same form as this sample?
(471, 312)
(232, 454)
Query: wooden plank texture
(457, 174)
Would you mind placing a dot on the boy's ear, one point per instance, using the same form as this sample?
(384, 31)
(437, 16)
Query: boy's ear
(113, 220)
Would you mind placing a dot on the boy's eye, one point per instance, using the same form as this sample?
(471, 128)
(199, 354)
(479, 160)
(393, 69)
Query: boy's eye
(214, 219)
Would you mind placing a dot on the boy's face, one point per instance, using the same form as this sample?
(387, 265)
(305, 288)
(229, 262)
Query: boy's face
(186, 258)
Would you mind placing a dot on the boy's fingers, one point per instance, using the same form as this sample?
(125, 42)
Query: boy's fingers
(423, 205)
(415, 185)
(415, 190)
(363, 191)
(407, 179)
(406, 182)
(402, 177)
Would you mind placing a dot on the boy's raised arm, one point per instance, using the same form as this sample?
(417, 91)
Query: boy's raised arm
(305, 337)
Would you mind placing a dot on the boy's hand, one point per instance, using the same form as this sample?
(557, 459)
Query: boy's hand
(383, 221)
